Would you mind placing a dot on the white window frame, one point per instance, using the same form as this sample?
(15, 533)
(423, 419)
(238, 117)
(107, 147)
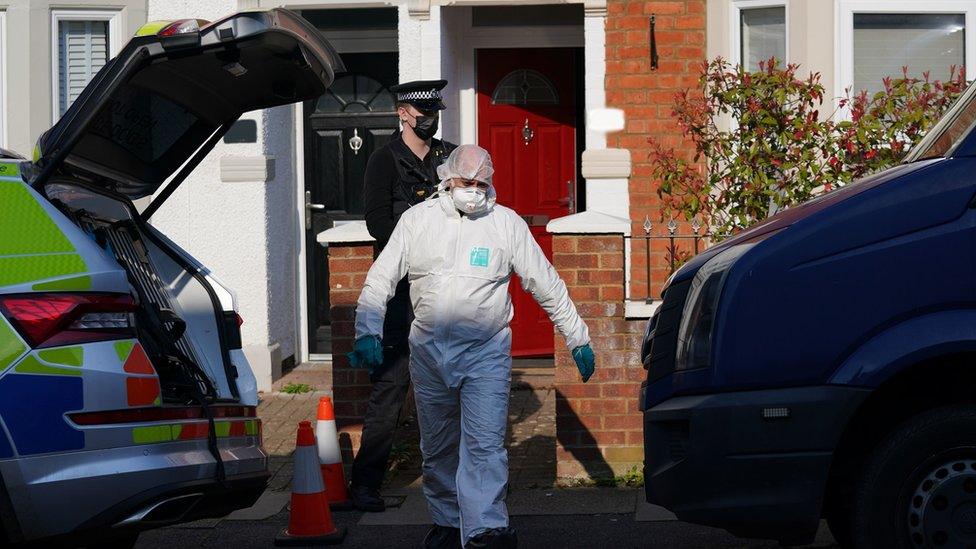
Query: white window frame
(114, 19)
(4, 113)
(735, 25)
(844, 46)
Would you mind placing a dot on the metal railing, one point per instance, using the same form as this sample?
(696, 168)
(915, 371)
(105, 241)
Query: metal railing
(679, 248)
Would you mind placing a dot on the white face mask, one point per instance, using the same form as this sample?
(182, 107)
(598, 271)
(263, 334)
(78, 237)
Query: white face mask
(469, 199)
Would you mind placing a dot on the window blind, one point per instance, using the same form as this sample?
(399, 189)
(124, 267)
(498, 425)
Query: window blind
(886, 42)
(82, 51)
(763, 35)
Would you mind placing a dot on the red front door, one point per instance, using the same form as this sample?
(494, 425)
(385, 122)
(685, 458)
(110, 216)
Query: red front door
(527, 121)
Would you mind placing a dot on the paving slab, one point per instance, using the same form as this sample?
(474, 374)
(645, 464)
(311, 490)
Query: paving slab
(412, 511)
(268, 505)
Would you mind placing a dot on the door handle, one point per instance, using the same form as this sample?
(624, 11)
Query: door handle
(527, 132)
(569, 201)
(309, 206)
(355, 142)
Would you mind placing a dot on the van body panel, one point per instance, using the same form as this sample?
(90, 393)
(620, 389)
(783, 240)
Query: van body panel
(907, 343)
(830, 300)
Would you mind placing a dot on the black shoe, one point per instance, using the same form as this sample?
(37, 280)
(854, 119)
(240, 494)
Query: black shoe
(442, 537)
(367, 499)
(495, 538)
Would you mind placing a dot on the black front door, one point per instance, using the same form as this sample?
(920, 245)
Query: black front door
(342, 128)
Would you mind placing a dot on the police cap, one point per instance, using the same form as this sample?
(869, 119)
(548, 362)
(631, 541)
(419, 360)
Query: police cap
(423, 94)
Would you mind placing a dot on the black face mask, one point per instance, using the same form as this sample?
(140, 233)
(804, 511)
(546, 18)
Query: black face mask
(426, 126)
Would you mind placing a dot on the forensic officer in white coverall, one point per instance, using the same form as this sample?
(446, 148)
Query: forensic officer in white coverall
(459, 250)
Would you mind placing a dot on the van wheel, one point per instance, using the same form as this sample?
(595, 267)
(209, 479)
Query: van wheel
(918, 487)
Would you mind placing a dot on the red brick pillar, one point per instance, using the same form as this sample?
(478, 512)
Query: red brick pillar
(348, 264)
(646, 96)
(598, 425)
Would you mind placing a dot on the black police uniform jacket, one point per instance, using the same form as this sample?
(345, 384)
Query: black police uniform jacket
(396, 180)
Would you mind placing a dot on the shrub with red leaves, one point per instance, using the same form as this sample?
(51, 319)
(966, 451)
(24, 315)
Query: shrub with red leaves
(760, 143)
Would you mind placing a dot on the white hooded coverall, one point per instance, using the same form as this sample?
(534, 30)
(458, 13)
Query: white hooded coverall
(460, 344)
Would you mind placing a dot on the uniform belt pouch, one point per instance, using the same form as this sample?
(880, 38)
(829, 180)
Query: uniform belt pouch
(396, 325)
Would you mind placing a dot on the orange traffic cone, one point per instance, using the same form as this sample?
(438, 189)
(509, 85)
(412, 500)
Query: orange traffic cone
(330, 458)
(311, 521)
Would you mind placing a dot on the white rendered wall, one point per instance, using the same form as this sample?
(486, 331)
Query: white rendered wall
(594, 58)
(452, 45)
(420, 45)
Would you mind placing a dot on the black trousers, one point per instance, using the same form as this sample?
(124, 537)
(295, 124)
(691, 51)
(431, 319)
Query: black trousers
(390, 385)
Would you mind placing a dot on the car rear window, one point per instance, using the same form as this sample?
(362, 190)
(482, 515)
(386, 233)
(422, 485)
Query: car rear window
(142, 122)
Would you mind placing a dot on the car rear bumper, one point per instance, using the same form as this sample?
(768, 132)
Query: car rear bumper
(181, 502)
(715, 459)
(116, 485)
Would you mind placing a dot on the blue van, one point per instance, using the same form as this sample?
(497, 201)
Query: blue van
(822, 364)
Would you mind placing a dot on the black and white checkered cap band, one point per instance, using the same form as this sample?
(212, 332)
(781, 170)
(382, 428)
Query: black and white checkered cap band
(419, 95)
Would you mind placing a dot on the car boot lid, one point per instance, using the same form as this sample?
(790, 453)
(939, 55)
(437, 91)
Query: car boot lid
(173, 89)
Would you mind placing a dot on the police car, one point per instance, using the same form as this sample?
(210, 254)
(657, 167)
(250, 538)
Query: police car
(126, 401)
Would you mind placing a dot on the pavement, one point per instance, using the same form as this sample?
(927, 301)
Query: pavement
(545, 515)
(556, 518)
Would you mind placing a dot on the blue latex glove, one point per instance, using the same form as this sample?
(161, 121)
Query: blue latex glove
(367, 352)
(585, 361)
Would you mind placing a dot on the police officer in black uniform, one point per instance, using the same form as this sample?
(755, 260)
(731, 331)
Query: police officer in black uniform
(398, 175)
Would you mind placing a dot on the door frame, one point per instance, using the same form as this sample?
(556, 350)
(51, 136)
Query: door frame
(495, 64)
(368, 122)
(466, 39)
(364, 43)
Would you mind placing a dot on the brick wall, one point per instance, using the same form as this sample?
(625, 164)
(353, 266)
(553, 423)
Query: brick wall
(348, 264)
(645, 95)
(598, 425)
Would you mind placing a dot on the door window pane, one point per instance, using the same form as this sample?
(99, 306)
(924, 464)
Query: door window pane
(355, 93)
(763, 32)
(886, 42)
(82, 51)
(525, 87)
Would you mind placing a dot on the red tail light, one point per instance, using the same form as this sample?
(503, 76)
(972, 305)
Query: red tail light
(182, 26)
(165, 413)
(48, 320)
(240, 320)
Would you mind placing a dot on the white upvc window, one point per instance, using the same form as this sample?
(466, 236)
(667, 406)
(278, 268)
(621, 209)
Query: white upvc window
(758, 29)
(3, 78)
(82, 41)
(876, 38)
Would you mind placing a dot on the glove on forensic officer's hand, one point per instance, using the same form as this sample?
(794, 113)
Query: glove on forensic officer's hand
(367, 352)
(585, 361)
